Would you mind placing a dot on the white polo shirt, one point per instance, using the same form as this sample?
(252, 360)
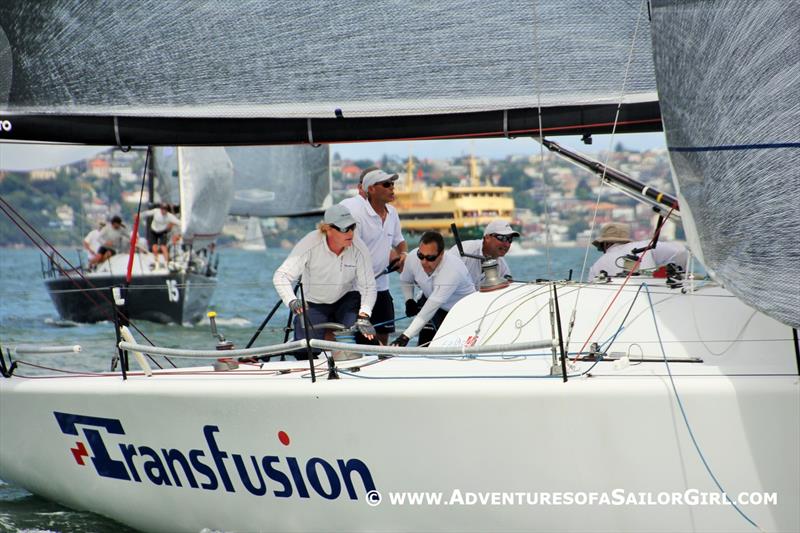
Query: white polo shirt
(663, 254)
(161, 220)
(326, 276)
(380, 236)
(94, 240)
(475, 247)
(444, 287)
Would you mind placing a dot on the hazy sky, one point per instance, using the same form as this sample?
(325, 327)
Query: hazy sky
(32, 156)
(492, 148)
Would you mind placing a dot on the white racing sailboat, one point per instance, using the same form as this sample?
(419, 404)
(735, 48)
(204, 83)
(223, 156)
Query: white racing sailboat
(670, 404)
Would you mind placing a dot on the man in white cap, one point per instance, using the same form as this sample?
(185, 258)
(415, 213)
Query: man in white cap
(379, 228)
(497, 238)
(331, 261)
(443, 279)
(615, 243)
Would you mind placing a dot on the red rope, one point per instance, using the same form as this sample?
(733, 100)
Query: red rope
(135, 231)
(625, 282)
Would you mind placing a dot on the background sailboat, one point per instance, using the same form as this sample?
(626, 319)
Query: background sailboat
(253, 237)
(180, 294)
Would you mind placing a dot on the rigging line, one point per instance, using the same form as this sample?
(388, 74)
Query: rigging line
(686, 419)
(622, 286)
(64, 272)
(135, 229)
(703, 341)
(602, 177)
(547, 221)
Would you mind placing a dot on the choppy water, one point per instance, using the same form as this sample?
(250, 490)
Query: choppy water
(242, 299)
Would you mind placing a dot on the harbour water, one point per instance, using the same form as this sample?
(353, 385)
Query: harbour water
(243, 297)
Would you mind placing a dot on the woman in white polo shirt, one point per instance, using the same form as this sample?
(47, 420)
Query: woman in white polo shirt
(330, 261)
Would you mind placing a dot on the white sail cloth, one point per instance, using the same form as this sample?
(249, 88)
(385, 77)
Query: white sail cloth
(298, 59)
(729, 83)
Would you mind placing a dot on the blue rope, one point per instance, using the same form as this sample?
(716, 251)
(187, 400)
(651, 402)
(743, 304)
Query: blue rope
(390, 321)
(683, 413)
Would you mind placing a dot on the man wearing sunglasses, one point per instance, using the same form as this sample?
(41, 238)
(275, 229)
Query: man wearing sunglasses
(443, 279)
(379, 228)
(330, 261)
(497, 238)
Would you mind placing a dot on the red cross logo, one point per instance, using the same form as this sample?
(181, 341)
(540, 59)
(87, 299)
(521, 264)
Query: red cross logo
(79, 452)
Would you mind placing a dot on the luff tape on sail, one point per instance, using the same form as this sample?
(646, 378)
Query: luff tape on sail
(125, 333)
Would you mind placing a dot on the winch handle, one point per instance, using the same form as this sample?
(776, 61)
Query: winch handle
(454, 231)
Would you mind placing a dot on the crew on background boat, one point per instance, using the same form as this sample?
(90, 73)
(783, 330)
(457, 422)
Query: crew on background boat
(330, 261)
(443, 279)
(161, 225)
(93, 241)
(615, 243)
(114, 239)
(379, 228)
(497, 238)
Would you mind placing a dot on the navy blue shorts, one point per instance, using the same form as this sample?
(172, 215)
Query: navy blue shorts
(343, 311)
(429, 330)
(160, 238)
(383, 311)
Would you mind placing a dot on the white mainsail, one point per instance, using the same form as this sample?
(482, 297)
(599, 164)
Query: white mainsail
(321, 71)
(201, 181)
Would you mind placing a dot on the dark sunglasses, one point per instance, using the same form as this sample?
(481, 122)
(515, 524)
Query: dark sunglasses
(349, 228)
(430, 258)
(504, 238)
(387, 184)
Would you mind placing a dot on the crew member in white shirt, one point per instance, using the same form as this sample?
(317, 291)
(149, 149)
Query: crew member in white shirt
(94, 240)
(497, 238)
(615, 243)
(443, 279)
(379, 228)
(113, 239)
(163, 221)
(329, 261)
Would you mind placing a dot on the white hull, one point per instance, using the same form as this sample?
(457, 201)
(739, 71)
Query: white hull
(476, 425)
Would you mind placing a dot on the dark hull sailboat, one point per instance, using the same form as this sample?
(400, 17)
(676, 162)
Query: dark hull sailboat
(177, 297)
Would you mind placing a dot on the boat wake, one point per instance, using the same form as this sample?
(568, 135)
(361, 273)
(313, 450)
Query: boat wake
(59, 323)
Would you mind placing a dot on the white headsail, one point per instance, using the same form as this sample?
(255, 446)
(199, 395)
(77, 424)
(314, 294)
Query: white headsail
(730, 100)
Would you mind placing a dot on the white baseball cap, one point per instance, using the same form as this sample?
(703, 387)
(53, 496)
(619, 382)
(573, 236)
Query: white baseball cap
(499, 227)
(339, 216)
(377, 176)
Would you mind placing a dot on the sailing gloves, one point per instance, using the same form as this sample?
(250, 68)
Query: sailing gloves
(413, 307)
(402, 340)
(365, 327)
(296, 307)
